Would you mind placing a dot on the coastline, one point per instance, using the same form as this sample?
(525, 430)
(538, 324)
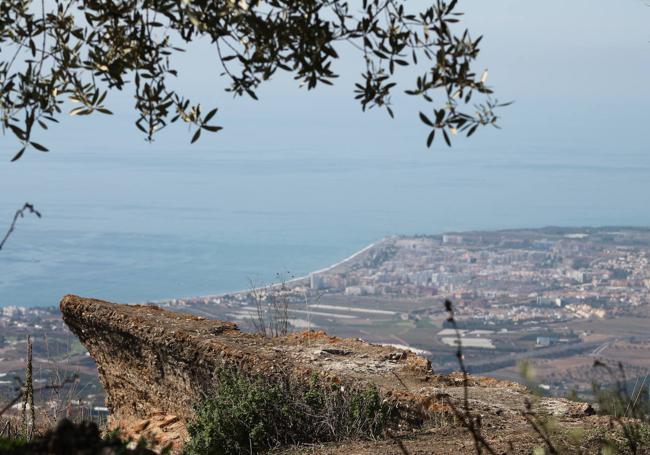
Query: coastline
(241, 291)
(272, 285)
(550, 229)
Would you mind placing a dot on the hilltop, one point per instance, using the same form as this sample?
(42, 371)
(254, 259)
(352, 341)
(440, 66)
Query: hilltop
(155, 364)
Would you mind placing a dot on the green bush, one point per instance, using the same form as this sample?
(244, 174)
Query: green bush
(253, 415)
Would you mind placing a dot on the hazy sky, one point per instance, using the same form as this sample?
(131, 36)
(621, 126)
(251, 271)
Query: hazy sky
(578, 71)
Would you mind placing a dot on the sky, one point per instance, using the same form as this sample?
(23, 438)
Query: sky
(301, 179)
(577, 71)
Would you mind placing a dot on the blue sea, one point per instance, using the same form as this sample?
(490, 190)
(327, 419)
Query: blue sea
(138, 226)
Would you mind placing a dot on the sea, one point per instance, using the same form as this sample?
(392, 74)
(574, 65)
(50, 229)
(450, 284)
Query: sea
(144, 226)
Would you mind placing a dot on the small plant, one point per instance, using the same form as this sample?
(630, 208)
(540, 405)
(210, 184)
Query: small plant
(271, 307)
(24, 433)
(254, 415)
(28, 420)
(470, 420)
(629, 411)
(628, 432)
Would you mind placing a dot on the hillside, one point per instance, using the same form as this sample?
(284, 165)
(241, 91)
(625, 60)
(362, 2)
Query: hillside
(156, 364)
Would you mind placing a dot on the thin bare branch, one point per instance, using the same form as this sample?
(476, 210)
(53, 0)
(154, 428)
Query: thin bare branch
(27, 208)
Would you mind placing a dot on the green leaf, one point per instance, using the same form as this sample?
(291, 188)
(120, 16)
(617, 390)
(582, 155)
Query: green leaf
(210, 114)
(213, 129)
(18, 155)
(446, 136)
(426, 120)
(20, 134)
(432, 135)
(39, 147)
(82, 110)
(196, 136)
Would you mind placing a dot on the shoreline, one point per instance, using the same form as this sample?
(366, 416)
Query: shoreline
(238, 292)
(562, 228)
(273, 285)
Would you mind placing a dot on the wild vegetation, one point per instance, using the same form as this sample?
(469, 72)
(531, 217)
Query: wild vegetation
(252, 415)
(271, 308)
(629, 426)
(29, 435)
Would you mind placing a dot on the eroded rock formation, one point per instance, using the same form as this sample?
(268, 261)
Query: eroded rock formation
(155, 364)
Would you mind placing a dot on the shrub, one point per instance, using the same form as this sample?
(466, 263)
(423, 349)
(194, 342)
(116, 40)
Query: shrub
(253, 415)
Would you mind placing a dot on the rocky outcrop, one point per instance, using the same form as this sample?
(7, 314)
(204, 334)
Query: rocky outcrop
(155, 364)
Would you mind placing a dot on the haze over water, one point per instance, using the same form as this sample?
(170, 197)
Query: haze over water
(298, 181)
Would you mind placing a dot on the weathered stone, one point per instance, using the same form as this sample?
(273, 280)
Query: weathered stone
(140, 426)
(155, 364)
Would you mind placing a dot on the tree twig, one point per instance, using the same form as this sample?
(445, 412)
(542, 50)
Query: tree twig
(27, 208)
(473, 424)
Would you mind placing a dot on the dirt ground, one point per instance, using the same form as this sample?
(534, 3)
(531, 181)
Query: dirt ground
(569, 437)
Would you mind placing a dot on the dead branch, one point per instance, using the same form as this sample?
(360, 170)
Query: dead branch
(27, 208)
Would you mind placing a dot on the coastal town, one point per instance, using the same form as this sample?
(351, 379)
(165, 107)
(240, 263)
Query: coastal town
(558, 297)
(554, 298)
